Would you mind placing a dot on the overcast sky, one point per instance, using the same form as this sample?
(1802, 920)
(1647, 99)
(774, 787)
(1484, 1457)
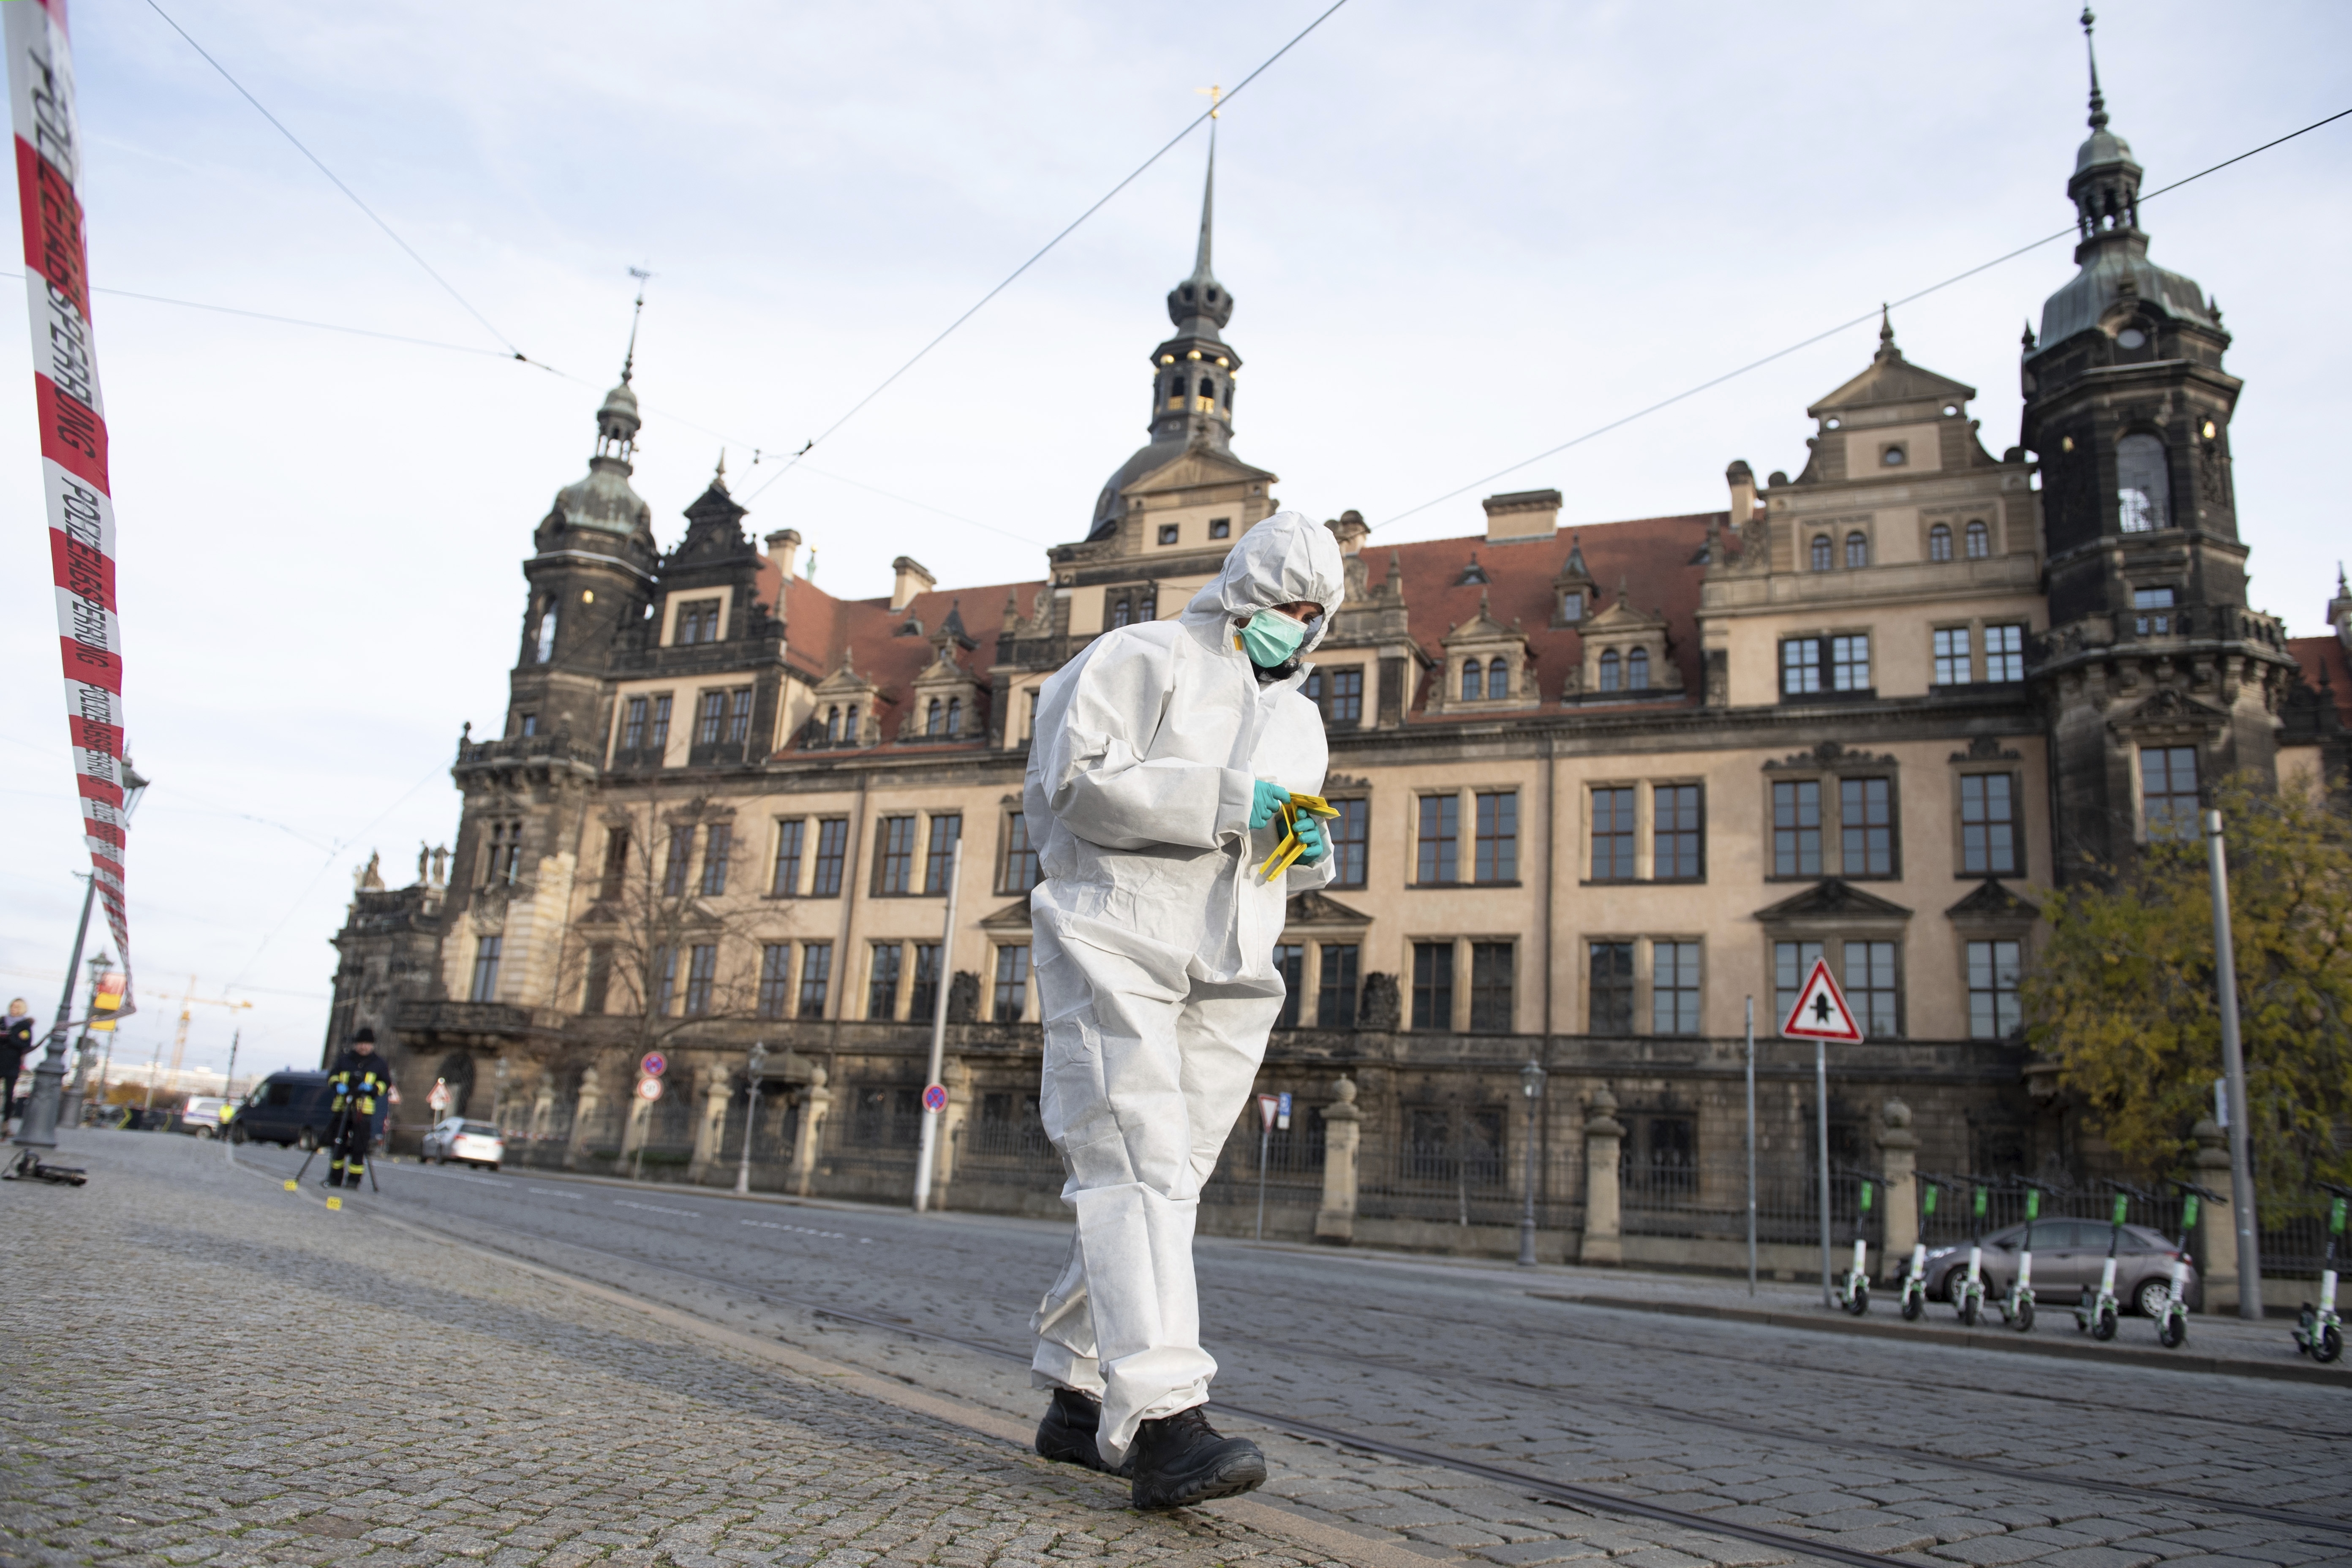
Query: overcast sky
(1456, 236)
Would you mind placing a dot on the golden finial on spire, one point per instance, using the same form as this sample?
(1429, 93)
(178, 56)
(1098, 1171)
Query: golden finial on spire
(1215, 95)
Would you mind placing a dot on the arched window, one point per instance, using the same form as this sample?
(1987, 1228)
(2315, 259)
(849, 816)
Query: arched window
(1822, 557)
(546, 630)
(849, 726)
(1498, 681)
(1857, 549)
(1980, 541)
(1939, 542)
(1611, 674)
(931, 718)
(1470, 683)
(1637, 669)
(832, 724)
(2143, 485)
(1120, 613)
(1175, 391)
(1147, 608)
(955, 716)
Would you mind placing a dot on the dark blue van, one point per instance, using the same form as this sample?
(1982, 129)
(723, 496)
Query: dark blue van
(284, 1108)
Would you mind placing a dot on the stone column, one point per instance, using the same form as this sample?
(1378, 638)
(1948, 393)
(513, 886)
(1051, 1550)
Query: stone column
(1342, 1134)
(1899, 1159)
(710, 1137)
(542, 1106)
(813, 1108)
(635, 1122)
(1602, 1215)
(2217, 1227)
(582, 1114)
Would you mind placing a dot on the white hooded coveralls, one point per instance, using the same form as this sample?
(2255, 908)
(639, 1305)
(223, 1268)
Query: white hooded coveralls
(1153, 939)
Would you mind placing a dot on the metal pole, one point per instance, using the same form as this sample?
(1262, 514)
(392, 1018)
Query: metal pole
(2234, 1068)
(1822, 1137)
(750, 1123)
(931, 1133)
(69, 1107)
(1528, 1204)
(1751, 1145)
(1265, 1133)
(38, 1129)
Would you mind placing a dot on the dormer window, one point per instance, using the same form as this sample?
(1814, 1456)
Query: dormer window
(1613, 671)
(1571, 605)
(698, 622)
(955, 717)
(933, 717)
(1498, 681)
(1637, 670)
(1470, 681)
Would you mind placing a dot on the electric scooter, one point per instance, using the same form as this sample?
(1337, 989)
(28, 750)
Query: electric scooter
(2099, 1311)
(1915, 1280)
(1967, 1291)
(2318, 1331)
(2017, 1307)
(1853, 1287)
(2172, 1325)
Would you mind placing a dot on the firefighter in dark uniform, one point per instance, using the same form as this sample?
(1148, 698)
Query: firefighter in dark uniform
(360, 1080)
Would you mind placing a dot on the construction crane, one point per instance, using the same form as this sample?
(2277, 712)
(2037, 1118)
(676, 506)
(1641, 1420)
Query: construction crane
(188, 1003)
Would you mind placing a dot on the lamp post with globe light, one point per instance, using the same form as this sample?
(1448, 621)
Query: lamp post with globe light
(69, 1109)
(38, 1129)
(1532, 1082)
(755, 1064)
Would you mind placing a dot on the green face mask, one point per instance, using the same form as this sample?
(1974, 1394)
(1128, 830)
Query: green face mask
(1272, 636)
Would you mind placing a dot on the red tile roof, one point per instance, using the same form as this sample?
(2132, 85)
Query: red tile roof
(1655, 558)
(2323, 661)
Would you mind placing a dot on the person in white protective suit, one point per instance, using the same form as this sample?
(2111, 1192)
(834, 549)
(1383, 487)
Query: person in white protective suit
(1160, 756)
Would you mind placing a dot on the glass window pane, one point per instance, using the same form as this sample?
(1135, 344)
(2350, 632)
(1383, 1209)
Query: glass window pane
(1335, 1000)
(1432, 985)
(1498, 837)
(1441, 817)
(1866, 826)
(1796, 828)
(1610, 999)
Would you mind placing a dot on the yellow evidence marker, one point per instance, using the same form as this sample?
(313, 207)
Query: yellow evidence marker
(291, 1187)
(334, 1203)
(1292, 847)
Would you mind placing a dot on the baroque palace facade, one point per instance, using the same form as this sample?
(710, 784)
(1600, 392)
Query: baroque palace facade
(1601, 786)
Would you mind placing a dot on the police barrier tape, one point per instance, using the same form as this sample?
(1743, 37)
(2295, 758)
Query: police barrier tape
(72, 416)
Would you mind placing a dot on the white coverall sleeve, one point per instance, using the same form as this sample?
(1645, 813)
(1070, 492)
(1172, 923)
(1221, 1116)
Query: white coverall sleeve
(1098, 784)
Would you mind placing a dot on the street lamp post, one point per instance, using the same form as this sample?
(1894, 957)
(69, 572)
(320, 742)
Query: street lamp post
(1531, 1080)
(69, 1109)
(756, 1063)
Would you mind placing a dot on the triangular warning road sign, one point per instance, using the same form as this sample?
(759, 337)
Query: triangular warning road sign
(1821, 1012)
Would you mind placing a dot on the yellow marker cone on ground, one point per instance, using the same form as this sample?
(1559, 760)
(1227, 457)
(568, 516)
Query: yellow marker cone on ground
(334, 1203)
(291, 1187)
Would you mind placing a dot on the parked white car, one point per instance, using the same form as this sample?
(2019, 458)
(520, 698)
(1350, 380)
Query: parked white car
(205, 1115)
(468, 1143)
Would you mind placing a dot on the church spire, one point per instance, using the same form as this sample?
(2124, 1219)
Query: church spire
(2105, 186)
(2098, 103)
(1199, 305)
(617, 423)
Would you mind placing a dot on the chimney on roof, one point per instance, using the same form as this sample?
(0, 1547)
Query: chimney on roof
(1350, 530)
(785, 550)
(1521, 517)
(913, 577)
(1742, 480)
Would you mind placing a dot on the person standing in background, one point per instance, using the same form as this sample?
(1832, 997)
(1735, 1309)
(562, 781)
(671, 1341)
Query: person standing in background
(16, 1045)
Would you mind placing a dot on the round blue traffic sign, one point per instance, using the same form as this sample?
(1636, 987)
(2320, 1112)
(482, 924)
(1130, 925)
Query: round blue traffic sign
(655, 1065)
(935, 1098)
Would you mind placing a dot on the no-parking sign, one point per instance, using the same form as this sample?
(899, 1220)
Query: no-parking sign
(935, 1099)
(653, 1065)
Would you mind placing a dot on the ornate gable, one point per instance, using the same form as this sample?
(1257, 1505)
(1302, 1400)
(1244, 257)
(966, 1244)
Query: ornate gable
(1833, 904)
(1625, 658)
(845, 713)
(1488, 668)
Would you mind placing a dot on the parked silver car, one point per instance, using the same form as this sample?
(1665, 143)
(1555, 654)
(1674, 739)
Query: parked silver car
(468, 1143)
(2067, 1255)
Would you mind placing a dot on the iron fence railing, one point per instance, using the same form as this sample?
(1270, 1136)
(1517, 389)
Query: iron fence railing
(1464, 1183)
(1707, 1201)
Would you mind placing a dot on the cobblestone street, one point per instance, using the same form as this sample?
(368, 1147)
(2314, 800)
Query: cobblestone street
(247, 1377)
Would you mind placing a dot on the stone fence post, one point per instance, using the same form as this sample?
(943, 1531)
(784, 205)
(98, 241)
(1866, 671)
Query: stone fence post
(1899, 1161)
(2217, 1227)
(710, 1137)
(1343, 1132)
(583, 1115)
(813, 1108)
(956, 1078)
(1603, 1135)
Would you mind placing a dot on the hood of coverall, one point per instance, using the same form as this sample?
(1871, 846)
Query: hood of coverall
(1281, 560)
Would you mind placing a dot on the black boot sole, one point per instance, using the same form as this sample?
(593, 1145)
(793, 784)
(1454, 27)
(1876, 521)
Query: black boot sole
(1231, 1475)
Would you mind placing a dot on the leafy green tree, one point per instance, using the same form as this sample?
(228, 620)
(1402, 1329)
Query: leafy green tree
(2123, 996)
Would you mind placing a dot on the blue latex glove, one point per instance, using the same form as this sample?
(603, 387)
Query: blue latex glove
(1314, 846)
(1262, 805)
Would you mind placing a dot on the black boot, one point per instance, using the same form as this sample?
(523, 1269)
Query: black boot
(1067, 1432)
(1180, 1460)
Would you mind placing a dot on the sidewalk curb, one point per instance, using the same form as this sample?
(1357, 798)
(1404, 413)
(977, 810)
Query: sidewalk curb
(1965, 1338)
(1358, 1545)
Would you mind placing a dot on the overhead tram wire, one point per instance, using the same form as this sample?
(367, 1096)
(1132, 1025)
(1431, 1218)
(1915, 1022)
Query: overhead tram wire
(1191, 126)
(319, 164)
(1874, 311)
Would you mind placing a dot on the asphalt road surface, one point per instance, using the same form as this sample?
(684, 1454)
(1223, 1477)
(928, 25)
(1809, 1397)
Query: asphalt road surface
(1446, 1404)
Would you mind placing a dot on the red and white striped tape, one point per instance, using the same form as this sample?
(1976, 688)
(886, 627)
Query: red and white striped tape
(73, 431)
